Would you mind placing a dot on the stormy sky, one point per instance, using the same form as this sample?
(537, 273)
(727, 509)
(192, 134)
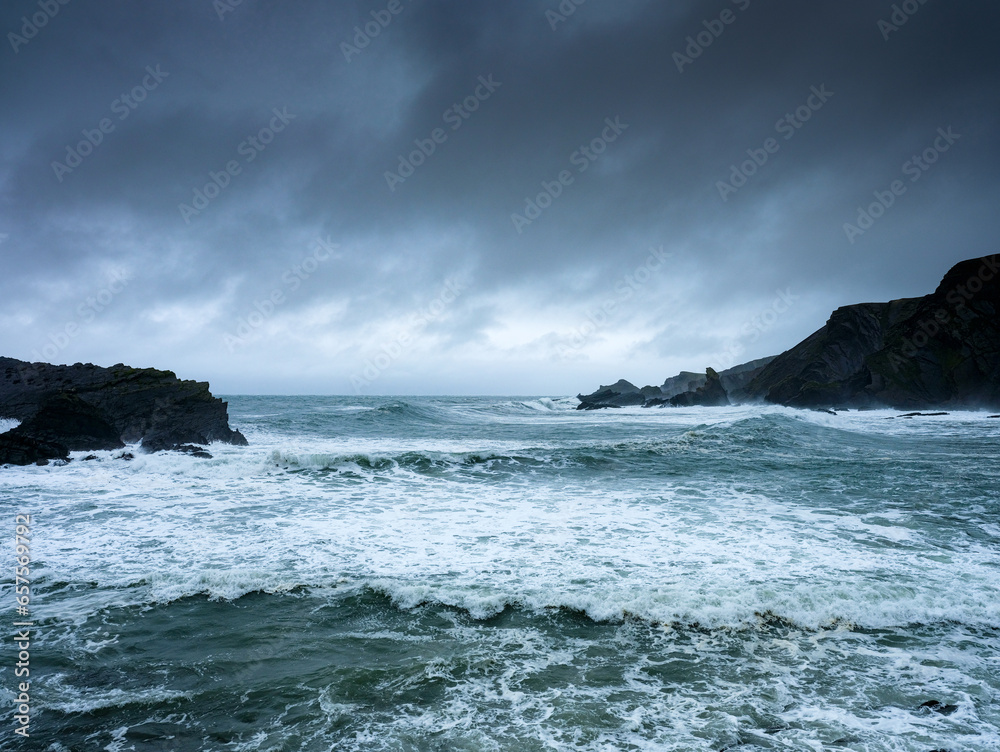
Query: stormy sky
(470, 197)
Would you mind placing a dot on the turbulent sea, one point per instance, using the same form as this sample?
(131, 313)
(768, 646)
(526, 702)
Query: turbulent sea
(465, 574)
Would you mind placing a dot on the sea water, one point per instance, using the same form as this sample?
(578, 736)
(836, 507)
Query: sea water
(512, 574)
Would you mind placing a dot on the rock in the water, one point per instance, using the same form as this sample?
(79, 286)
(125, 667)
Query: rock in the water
(711, 394)
(619, 394)
(78, 404)
(941, 350)
(192, 449)
(624, 393)
(67, 419)
(685, 381)
(25, 450)
(939, 707)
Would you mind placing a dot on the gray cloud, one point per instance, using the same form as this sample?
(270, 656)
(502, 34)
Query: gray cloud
(324, 176)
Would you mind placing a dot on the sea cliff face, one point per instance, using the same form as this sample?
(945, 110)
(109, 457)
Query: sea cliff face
(85, 407)
(938, 351)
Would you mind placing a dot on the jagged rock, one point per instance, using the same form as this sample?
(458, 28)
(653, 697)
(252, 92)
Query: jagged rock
(192, 449)
(139, 403)
(685, 381)
(25, 450)
(712, 394)
(651, 392)
(941, 350)
(67, 420)
(735, 379)
(623, 393)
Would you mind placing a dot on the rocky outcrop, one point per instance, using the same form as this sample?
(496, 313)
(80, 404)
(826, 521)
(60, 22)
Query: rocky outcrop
(24, 450)
(941, 350)
(685, 381)
(735, 379)
(938, 351)
(67, 420)
(86, 407)
(710, 394)
(620, 394)
(625, 394)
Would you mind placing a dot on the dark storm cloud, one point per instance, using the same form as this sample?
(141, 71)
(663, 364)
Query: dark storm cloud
(505, 94)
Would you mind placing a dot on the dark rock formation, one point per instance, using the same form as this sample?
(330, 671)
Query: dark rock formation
(619, 394)
(67, 420)
(25, 450)
(735, 379)
(193, 450)
(86, 407)
(936, 706)
(625, 394)
(711, 394)
(685, 381)
(941, 350)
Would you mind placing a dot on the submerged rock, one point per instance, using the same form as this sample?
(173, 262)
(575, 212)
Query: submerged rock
(937, 706)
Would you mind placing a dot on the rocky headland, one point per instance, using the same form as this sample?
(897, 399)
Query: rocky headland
(84, 407)
(941, 350)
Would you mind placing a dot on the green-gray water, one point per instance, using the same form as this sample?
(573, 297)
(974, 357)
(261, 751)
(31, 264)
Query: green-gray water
(511, 574)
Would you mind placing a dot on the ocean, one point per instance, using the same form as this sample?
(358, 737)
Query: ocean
(466, 574)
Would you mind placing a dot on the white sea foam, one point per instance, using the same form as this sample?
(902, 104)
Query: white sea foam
(692, 549)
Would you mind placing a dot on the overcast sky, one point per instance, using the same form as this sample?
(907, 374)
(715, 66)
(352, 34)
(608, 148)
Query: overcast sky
(367, 227)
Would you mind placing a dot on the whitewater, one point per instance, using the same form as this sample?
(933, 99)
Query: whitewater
(501, 573)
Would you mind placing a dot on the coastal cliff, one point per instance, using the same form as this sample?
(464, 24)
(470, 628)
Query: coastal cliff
(938, 351)
(941, 350)
(84, 407)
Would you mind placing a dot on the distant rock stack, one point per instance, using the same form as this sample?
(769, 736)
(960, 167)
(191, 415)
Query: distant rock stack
(84, 407)
(685, 389)
(710, 394)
